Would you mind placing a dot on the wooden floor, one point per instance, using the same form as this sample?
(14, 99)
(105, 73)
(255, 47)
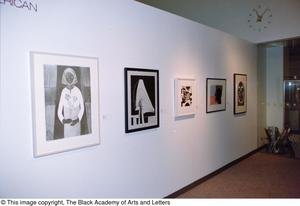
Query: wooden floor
(262, 175)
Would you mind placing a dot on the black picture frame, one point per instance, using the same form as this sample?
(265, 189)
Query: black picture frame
(215, 95)
(240, 93)
(141, 99)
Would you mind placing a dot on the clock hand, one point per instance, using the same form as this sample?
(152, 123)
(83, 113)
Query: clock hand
(256, 12)
(265, 12)
(259, 17)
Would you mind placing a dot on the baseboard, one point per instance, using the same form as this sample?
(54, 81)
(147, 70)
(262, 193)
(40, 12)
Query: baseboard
(201, 180)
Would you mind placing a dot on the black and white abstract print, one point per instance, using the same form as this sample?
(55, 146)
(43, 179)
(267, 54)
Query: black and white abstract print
(186, 96)
(141, 99)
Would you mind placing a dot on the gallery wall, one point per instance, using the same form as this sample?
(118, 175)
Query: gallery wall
(122, 33)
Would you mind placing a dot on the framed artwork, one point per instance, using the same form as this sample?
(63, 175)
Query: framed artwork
(65, 102)
(240, 93)
(215, 95)
(185, 97)
(141, 99)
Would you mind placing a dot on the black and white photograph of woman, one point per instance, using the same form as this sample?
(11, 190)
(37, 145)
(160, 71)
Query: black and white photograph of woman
(68, 101)
(70, 107)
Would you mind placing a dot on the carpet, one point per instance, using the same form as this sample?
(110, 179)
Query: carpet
(262, 175)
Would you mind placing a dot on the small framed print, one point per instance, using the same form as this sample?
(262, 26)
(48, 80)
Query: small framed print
(65, 102)
(240, 93)
(185, 90)
(215, 95)
(141, 99)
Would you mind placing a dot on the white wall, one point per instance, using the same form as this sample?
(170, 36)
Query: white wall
(122, 33)
(274, 86)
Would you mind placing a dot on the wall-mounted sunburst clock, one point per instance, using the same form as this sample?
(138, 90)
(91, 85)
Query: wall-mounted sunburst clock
(260, 18)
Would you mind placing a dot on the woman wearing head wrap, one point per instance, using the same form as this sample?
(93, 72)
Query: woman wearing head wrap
(70, 107)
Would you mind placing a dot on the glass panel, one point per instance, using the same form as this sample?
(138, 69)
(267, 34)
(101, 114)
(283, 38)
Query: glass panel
(292, 105)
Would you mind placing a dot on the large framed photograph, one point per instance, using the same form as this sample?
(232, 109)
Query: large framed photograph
(185, 92)
(141, 99)
(65, 102)
(240, 93)
(215, 95)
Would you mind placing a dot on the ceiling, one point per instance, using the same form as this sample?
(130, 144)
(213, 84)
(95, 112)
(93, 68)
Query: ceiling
(281, 19)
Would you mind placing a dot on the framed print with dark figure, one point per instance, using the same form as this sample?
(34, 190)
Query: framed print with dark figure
(185, 101)
(215, 95)
(141, 99)
(65, 102)
(240, 93)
